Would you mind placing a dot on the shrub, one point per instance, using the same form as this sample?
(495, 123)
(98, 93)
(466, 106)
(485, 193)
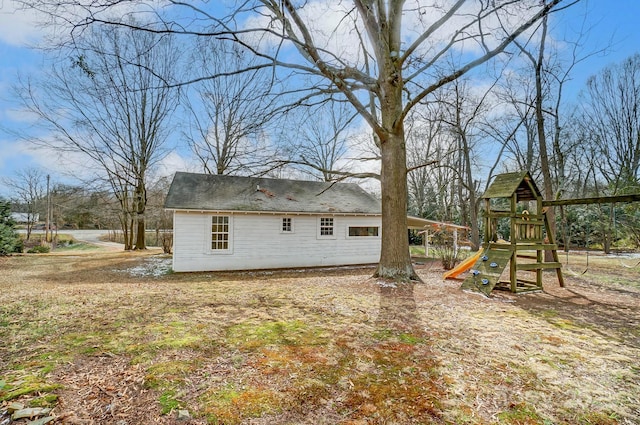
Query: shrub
(443, 244)
(39, 249)
(167, 242)
(449, 257)
(161, 238)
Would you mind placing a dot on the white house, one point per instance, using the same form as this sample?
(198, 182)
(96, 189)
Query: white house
(242, 223)
(22, 218)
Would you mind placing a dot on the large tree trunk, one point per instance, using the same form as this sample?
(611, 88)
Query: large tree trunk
(140, 232)
(141, 206)
(395, 259)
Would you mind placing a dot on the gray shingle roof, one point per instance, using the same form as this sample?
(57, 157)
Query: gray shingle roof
(205, 192)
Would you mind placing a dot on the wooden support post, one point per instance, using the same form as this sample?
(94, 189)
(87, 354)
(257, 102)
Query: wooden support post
(513, 277)
(455, 242)
(554, 250)
(487, 221)
(426, 242)
(539, 238)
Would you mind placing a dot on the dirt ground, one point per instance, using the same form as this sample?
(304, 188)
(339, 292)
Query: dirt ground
(116, 338)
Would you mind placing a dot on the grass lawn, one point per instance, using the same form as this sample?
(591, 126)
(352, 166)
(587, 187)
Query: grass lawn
(116, 338)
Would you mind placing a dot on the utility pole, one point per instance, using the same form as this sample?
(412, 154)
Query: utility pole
(48, 218)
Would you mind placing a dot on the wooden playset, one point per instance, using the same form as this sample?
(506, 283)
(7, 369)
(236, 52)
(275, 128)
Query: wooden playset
(513, 198)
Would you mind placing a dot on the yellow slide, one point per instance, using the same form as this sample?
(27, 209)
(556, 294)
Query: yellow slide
(462, 267)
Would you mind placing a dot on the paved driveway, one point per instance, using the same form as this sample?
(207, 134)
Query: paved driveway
(92, 237)
(87, 236)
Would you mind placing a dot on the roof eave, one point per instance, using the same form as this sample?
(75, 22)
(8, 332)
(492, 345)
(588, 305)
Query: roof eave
(246, 212)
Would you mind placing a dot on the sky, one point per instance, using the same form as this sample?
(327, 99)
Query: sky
(612, 23)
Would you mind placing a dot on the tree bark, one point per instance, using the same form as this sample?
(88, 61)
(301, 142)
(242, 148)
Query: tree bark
(542, 137)
(395, 259)
(140, 232)
(472, 202)
(141, 204)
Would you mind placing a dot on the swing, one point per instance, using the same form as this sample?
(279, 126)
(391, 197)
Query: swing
(628, 266)
(574, 273)
(588, 250)
(615, 232)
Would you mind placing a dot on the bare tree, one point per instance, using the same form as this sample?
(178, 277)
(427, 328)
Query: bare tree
(229, 115)
(386, 70)
(447, 131)
(112, 105)
(319, 141)
(434, 161)
(465, 110)
(426, 141)
(537, 62)
(384, 57)
(29, 189)
(550, 68)
(609, 122)
(612, 120)
(515, 127)
(161, 219)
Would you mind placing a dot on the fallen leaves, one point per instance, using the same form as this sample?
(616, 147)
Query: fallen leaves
(326, 346)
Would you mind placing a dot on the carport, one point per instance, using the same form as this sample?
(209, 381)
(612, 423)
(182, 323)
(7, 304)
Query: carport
(425, 226)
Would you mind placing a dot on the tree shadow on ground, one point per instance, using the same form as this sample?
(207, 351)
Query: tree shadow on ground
(610, 312)
(398, 308)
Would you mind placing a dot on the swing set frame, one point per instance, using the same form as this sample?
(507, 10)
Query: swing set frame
(615, 199)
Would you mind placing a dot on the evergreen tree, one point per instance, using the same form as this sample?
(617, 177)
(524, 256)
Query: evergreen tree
(9, 240)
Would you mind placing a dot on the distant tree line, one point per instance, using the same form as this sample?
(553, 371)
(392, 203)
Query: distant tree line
(593, 150)
(277, 98)
(79, 207)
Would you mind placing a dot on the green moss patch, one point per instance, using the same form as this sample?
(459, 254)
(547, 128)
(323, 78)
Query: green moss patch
(29, 385)
(250, 335)
(231, 404)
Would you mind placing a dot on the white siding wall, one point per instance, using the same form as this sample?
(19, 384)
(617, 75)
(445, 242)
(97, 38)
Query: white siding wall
(258, 243)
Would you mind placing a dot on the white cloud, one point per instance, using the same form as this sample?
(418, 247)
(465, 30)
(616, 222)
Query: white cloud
(18, 154)
(331, 24)
(19, 26)
(173, 162)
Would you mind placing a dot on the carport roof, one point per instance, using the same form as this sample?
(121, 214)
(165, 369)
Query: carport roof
(423, 223)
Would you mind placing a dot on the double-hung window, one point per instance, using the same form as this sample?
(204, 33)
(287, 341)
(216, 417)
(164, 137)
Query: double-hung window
(287, 225)
(220, 232)
(326, 228)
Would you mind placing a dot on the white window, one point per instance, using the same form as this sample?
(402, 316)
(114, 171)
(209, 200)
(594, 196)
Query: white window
(326, 228)
(287, 225)
(363, 231)
(220, 233)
